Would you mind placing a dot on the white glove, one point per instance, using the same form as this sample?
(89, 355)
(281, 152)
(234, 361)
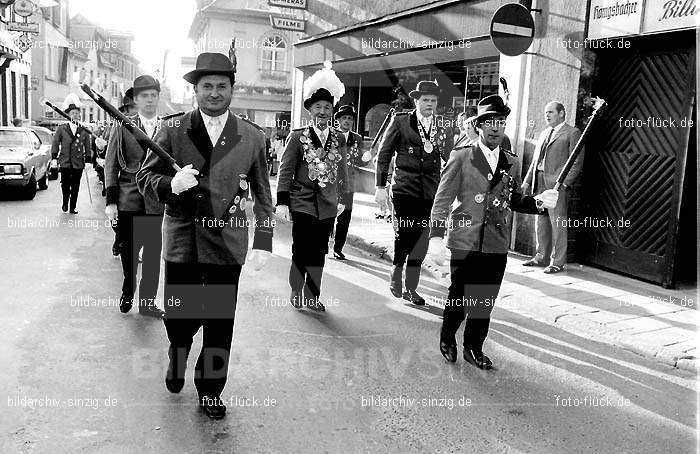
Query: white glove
(341, 208)
(184, 179)
(258, 258)
(366, 156)
(437, 251)
(111, 212)
(283, 212)
(100, 143)
(381, 196)
(549, 198)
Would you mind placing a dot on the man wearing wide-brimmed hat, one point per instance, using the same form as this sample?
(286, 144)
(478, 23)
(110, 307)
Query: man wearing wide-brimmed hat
(205, 227)
(419, 143)
(138, 217)
(484, 179)
(72, 146)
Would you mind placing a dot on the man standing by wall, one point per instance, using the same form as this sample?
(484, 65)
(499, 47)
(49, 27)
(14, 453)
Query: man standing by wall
(72, 145)
(554, 146)
(418, 141)
(205, 227)
(138, 217)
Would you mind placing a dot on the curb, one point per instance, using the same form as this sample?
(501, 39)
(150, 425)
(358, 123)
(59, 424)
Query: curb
(571, 323)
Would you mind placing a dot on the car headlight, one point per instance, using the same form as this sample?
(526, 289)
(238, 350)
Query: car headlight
(12, 169)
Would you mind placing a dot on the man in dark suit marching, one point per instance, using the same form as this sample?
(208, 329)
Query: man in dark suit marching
(484, 180)
(138, 217)
(205, 227)
(345, 117)
(72, 146)
(554, 146)
(419, 141)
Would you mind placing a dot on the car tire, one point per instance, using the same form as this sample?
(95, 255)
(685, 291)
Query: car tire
(43, 181)
(30, 188)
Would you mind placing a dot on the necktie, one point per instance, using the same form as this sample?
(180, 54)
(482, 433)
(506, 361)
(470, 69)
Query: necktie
(322, 137)
(543, 149)
(214, 130)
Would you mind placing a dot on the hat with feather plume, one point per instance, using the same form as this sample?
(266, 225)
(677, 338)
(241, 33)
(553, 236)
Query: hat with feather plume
(323, 85)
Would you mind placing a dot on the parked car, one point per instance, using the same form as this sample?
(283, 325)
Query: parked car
(46, 137)
(24, 163)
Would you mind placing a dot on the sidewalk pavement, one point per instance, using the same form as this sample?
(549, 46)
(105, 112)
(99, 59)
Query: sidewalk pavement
(605, 307)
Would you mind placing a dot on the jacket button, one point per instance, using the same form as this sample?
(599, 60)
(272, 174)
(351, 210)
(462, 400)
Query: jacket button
(200, 196)
(224, 200)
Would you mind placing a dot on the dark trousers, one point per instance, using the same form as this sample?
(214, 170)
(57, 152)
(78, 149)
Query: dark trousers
(309, 248)
(70, 185)
(201, 295)
(411, 239)
(475, 279)
(135, 230)
(341, 229)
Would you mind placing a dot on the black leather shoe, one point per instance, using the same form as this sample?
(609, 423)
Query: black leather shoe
(478, 359)
(296, 299)
(64, 207)
(315, 304)
(395, 282)
(338, 255)
(73, 211)
(174, 385)
(413, 297)
(125, 303)
(213, 407)
(175, 376)
(151, 311)
(449, 351)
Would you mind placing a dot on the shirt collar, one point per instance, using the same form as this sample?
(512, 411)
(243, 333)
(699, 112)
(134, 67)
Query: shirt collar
(319, 132)
(207, 119)
(557, 128)
(488, 152)
(146, 121)
(421, 118)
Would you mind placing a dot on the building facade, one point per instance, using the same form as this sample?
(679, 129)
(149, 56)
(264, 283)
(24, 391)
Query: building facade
(15, 72)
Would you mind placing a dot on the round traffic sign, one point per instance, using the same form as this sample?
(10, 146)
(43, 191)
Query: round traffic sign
(24, 8)
(512, 29)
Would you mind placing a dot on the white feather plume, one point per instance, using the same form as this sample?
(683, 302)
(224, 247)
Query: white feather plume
(324, 78)
(72, 98)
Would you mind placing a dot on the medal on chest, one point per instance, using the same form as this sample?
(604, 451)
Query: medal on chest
(322, 162)
(428, 139)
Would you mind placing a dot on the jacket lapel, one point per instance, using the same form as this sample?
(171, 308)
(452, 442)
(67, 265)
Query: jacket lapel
(197, 133)
(413, 122)
(479, 161)
(227, 140)
(503, 164)
(315, 140)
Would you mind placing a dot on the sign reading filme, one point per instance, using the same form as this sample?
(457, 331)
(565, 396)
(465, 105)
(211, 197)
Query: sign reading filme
(296, 4)
(286, 23)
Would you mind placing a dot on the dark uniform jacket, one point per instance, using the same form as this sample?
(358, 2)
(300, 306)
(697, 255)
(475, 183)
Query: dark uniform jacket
(296, 190)
(482, 219)
(416, 173)
(207, 224)
(124, 158)
(72, 151)
(354, 158)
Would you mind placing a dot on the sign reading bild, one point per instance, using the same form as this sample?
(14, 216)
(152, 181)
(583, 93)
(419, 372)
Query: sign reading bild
(298, 4)
(285, 23)
(662, 15)
(612, 18)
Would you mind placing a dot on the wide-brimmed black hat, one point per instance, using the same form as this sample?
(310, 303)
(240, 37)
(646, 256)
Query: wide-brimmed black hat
(144, 83)
(127, 100)
(70, 107)
(319, 95)
(491, 106)
(209, 63)
(425, 87)
(347, 109)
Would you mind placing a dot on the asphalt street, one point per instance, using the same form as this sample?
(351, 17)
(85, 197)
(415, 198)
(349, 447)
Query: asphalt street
(365, 376)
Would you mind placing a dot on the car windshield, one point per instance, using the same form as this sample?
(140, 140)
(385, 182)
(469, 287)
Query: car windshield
(13, 139)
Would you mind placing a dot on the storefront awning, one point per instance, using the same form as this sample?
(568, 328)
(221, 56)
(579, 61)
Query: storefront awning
(426, 33)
